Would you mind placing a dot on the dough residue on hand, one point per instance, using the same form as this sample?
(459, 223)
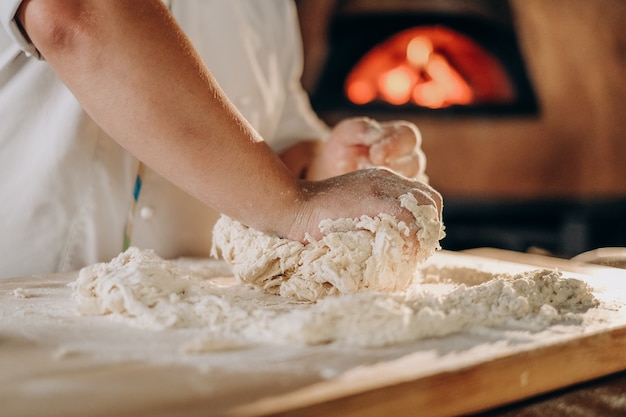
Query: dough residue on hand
(353, 255)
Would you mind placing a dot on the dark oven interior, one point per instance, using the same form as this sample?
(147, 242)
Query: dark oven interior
(425, 58)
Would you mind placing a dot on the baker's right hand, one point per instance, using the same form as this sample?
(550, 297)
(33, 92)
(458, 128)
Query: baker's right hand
(364, 192)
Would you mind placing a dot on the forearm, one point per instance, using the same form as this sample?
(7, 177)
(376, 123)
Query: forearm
(136, 74)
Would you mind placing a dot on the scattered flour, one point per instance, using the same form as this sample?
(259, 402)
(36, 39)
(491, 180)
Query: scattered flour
(354, 254)
(143, 290)
(22, 293)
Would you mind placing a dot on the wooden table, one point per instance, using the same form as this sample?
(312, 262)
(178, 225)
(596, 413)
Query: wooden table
(601, 397)
(458, 374)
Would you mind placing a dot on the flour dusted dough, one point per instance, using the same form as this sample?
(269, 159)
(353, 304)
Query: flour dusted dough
(143, 290)
(354, 255)
(315, 293)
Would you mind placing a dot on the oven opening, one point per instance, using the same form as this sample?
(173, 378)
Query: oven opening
(431, 67)
(424, 61)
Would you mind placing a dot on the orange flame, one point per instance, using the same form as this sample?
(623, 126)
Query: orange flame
(415, 66)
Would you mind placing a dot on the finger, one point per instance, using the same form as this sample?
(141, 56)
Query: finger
(406, 126)
(434, 198)
(424, 193)
(357, 131)
(407, 165)
(397, 140)
(411, 164)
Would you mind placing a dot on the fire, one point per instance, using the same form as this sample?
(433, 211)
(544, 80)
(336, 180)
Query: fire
(395, 85)
(423, 66)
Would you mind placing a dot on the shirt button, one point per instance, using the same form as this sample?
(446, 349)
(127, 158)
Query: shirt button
(146, 212)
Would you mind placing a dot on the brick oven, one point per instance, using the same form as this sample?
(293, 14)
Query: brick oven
(520, 104)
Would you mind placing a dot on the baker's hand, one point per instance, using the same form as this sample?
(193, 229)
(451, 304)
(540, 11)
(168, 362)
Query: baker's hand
(363, 192)
(359, 143)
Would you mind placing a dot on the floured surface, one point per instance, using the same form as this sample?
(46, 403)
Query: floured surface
(143, 290)
(41, 335)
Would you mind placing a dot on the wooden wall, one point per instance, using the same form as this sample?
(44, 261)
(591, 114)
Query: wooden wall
(576, 147)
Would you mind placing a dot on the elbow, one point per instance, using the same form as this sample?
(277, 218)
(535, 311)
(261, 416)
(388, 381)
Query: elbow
(55, 26)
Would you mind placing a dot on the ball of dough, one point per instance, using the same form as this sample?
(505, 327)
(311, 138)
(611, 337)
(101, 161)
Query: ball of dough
(353, 255)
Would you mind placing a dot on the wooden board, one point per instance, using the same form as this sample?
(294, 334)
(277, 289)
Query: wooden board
(453, 375)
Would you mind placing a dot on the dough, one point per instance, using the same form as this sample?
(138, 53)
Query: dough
(141, 289)
(358, 286)
(22, 293)
(354, 255)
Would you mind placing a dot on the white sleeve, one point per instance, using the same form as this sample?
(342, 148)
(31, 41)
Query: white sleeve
(8, 9)
(298, 120)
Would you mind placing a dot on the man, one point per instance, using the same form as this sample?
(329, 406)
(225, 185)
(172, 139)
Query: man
(88, 88)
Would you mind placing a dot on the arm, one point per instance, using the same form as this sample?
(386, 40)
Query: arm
(137, 75)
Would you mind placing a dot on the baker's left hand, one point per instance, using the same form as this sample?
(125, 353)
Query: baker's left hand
(359, 143)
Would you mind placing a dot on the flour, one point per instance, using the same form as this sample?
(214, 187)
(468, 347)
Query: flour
(143, 290)
(354, 255)
(151, 292)
(22, 293)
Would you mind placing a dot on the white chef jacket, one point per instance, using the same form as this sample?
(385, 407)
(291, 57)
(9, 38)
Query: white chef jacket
(67, 187)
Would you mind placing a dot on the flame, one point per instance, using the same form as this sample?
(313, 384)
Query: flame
(395, 85)
(415, 66)
(418, 51)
